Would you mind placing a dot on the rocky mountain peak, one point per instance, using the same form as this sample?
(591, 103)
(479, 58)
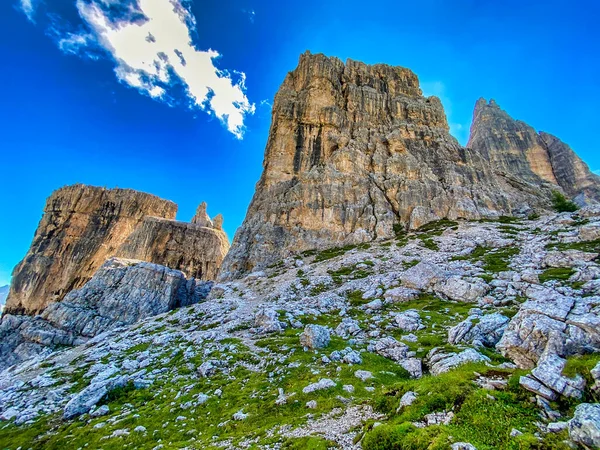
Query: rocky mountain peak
(516, 150)
(83, 226)
(356, 153)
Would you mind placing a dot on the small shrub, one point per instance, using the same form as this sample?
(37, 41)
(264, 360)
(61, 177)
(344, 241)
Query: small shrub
(561, 204)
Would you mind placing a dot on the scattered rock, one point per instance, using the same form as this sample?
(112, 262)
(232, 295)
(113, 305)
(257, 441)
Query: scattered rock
(315, 336)
(323, 383)
(584, 427)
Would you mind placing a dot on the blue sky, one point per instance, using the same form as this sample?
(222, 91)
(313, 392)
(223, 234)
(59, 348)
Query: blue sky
(70, 113)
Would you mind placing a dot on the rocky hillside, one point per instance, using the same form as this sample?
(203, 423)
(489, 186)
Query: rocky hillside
(470, 334)
(81, 227)
(388, 289)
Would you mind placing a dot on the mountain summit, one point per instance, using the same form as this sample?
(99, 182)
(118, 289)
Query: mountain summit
(357, 153)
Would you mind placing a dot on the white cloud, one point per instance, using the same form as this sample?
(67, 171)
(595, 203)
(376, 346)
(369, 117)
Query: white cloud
(152, 47)
(29, 7)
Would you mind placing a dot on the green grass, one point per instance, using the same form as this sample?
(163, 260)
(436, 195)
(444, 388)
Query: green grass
(588, 247)
(483, 421)
(308, 443)
(338, 251)
(350, 273)
(437, 228)
(558, 274)
(494, 260)
(507, 220)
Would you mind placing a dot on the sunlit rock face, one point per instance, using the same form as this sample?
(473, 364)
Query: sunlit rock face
(516, 150)
(196, 250)
(356, 151)
(81, 227)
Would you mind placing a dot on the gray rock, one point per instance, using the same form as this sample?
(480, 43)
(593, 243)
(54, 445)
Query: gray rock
(87, 398)
(363, 375)
(584, 427)
(348, 327)
(463, 446)
(441, 362)
(315, 336)
(390, 348)
(408, 321)
(267, 321)
(551, 323)
(240, 415)
(422, 276)
(456, 288)
(408, 399)
(322, 384)
(486, 330)
(400, 294)
(100, 411)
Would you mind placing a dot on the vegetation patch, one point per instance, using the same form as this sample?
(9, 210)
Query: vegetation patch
(588, 247)
(558, 274)
(339, 251)
(561, 204)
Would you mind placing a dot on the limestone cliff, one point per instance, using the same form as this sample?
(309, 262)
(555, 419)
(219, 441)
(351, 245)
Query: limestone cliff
(355, 151)
(196, 250)
(516, 150)
(81, 227)
(572, 174)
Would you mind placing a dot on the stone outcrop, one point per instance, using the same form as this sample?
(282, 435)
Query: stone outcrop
(515, 150)
(551, 323)
(196, 248)
(81, 227)
(121, 293)
(356, 152)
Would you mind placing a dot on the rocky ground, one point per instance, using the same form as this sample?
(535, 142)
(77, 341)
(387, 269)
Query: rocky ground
(461, 335)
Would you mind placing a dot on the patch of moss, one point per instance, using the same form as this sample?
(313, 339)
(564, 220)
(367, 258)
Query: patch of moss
(308, 443)
(556, 273)
(588, 247)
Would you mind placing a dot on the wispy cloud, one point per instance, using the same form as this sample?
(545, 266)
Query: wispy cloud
(151, 45)
(29, 8)
(250, 13)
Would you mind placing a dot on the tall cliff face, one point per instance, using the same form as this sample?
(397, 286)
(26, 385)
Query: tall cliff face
(572, 174)
(516, 150)
(353, 151)
(196, 250)
(81, 227)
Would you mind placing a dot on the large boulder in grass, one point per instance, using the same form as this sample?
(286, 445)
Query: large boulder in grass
(315, 336)
(584, 427)
(479, 330)
(551, 323)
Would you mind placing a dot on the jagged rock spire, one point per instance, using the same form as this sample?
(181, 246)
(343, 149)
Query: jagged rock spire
(201, 218)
